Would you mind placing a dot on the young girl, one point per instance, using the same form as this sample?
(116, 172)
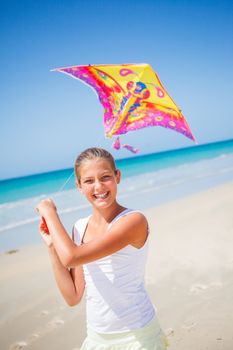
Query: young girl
(106, 257)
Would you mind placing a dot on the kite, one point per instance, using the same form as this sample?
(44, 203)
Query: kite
(133, 98)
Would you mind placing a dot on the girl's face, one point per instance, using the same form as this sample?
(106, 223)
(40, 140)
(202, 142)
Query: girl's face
(98, 182)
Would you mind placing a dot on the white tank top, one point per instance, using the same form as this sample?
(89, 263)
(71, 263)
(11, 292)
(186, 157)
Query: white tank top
(116, 299)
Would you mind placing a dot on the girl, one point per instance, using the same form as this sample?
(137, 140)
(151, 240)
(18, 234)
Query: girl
(106, 257)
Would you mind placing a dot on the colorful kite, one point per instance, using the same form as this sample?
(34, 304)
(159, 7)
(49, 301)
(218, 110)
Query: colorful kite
(133, 98)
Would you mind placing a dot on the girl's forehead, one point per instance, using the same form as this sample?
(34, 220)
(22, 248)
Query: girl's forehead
(95, 166)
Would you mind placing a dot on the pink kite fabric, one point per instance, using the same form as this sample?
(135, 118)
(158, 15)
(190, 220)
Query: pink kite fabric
(133, 98)
(117, 145)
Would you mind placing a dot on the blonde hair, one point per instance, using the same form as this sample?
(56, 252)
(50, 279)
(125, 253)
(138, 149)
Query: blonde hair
(93, 153)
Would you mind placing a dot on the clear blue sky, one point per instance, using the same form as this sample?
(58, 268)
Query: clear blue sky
(48, 117)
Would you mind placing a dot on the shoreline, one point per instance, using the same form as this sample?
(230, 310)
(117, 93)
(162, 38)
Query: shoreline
(188, 277)
(22, 229)
(210, 149)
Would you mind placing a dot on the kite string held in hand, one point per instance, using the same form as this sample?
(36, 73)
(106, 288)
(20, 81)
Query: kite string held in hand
(59, 191)
(62, 188)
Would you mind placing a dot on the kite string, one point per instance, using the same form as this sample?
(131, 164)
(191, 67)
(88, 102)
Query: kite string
(72, 173)
(66, 181)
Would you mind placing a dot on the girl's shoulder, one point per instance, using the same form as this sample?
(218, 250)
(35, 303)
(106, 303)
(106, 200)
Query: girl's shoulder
(131, 214)
(127, 220)
(133, 224)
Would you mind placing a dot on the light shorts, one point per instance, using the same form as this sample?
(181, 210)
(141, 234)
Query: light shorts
(150, 337)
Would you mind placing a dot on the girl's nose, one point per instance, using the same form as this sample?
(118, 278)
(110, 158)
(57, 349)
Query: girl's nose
(98, 184)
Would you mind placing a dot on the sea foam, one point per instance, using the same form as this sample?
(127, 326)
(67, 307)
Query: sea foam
(159, 186)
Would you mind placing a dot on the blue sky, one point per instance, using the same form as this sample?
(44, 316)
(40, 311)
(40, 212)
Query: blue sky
(47, 118)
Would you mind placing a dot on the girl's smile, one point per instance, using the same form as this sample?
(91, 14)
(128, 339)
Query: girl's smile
(101, 196)
(98, 182)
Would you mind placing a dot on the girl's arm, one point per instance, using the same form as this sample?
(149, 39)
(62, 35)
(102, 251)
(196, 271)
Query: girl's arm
(127, 230)
(70, 282)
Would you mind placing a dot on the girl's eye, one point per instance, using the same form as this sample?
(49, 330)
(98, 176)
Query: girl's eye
(89, 181)
(106, 177)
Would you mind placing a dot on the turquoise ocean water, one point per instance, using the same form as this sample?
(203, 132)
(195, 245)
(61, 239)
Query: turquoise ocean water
(147, 181)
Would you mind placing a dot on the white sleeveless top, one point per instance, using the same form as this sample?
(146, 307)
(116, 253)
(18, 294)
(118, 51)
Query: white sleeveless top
(115, 292)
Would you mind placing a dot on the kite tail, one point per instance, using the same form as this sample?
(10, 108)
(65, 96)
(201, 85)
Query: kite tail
(117, 145)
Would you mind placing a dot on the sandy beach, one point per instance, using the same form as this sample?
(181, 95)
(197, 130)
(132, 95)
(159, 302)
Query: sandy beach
(189, 278)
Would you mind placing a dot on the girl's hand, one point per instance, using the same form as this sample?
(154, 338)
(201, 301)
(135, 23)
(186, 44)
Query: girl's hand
(46, 206)
(43, 226)
(45, 233)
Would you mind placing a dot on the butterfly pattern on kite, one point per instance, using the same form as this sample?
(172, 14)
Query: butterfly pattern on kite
(133, 98)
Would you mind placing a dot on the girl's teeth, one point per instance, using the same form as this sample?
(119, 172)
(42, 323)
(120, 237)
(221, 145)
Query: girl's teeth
(101, 195)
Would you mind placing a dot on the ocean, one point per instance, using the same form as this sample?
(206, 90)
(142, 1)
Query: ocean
(147, 181)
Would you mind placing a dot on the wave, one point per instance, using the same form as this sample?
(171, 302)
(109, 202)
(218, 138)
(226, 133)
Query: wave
(37, 218)
(19, 223)
(214, 171)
